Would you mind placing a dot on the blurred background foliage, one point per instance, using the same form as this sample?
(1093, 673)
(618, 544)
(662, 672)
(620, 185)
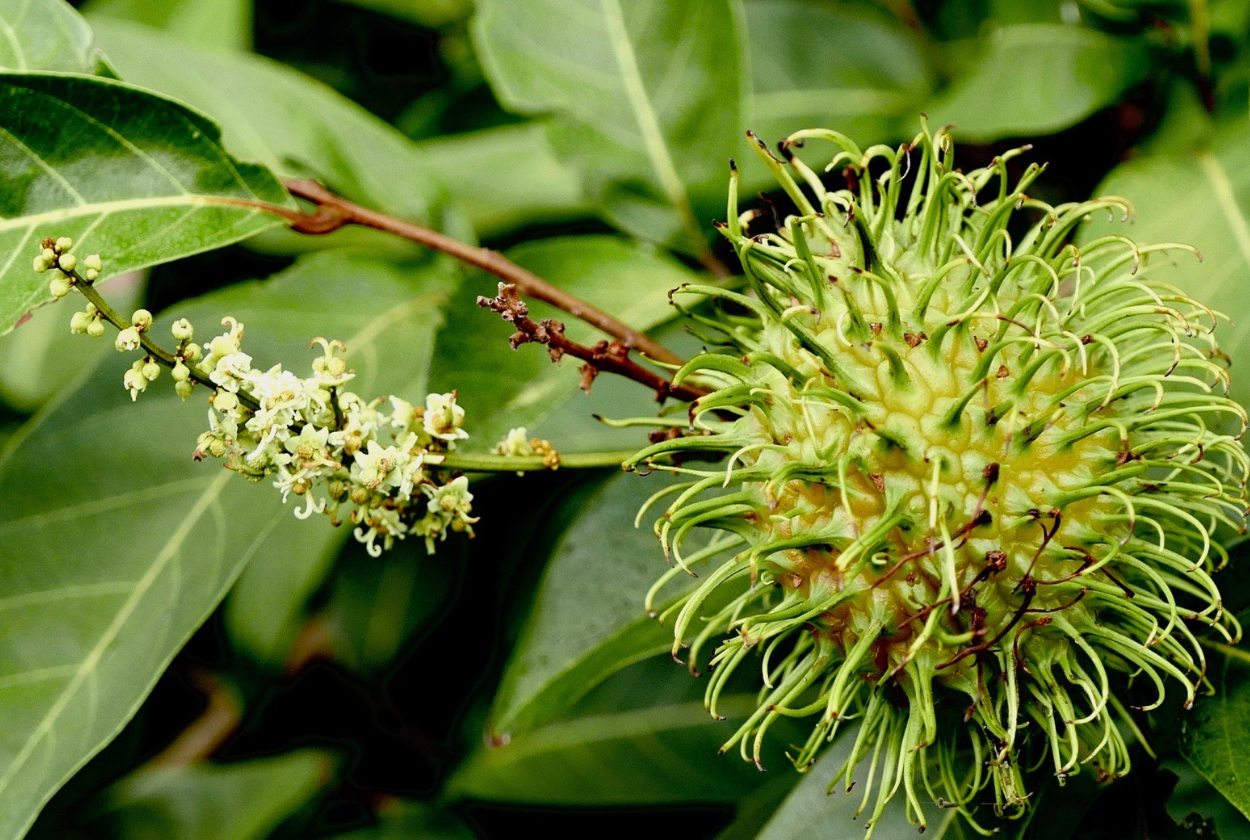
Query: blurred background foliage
(513, 684)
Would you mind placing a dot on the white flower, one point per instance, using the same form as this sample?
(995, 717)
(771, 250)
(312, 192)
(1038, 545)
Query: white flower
(443, 417)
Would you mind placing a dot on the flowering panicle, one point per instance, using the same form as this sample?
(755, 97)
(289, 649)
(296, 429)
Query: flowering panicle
(382, 460)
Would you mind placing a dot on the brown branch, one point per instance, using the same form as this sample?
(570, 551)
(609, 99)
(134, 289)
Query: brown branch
(333, 212)
(608, 356)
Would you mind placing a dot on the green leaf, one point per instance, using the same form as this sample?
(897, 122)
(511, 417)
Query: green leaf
(135, 177)
(841, 66)
(641, 737)
(649, 95)
(224, 23)
(502, 388)
(41, 356)
(1216, 739)
(507, 177)
(37, 35)
(246, 800)
(1038, 79)
(588, 620)
(1197, 195)
(289, 121)
(118, 545)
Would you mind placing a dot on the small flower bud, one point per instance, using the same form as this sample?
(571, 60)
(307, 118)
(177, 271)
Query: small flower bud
(93, 263)
(151, 370)
(59, 287)
(68, 262)
(192, 353)
(182, 330)
(222, 345)
(225, 401)
(49, 256)
(64, 244)
(180, 373)
(142, 319)
(80, 322)
(41, 264)
(134, 382)
(91, 275)
(95, 329)
(184, 389)
(127, 339)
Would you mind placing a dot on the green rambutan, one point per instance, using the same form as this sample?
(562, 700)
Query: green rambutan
(965, 477)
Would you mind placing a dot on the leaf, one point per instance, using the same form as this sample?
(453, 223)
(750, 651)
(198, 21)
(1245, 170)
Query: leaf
(502, 388)
(642, 737)
(1197, 195)
(1038, 79)
(432, 13)
(505, 178)
(118, 545)
(1216, 740)
(290, 122)
(649, 97)
(842, 66)
(135, 177)
(224, 23)
(246, 800)
(38, 35)
(41, 356)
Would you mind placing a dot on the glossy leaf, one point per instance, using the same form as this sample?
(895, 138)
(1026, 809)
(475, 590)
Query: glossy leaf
(1038, 79)
(130, 175)
(245, 800)
(113, 558)
(1217, 740)
(840, 66)
(641, 737)
(276, 115)
(39, 35)
(649, 97)
(507, 177)
(225, 23)
(502, 388)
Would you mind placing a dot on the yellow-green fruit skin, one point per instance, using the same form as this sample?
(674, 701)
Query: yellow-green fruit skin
(964, 478)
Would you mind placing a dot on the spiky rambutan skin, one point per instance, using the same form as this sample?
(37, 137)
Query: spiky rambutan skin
(964, 476)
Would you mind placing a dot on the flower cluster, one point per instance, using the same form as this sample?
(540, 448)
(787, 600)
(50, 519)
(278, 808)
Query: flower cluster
(384, 459)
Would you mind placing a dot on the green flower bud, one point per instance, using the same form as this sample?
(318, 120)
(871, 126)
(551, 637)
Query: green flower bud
(91, 275)
(41, 264)
(151, 370)
(141, 319)
(180, 372)
(59, 286)
(96, 328)
(49, 256)
(64, 244)
(222, 345)
(80, 322)
(68, 262)
(225, 401)
(192, 353)
(127, 340)
(182, 330)
(134, 382)
(93, 263)
(183, 388)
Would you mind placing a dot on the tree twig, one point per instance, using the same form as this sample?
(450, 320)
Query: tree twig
(333, 212)
(604, 356)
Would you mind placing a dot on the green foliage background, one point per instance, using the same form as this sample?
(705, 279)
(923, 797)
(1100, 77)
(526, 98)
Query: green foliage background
(511, 683)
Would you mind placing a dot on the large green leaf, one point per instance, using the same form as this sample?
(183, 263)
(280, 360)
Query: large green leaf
(246, 800)
(289, 121)
(1197, 194)
(502, 388)
(506, 177)
(649, 94)
(641, 737)
(226, 23)
(1217, 741)
(840, 66)
(133, 176)
(38, 35)
(118, 545)
(1037, 79)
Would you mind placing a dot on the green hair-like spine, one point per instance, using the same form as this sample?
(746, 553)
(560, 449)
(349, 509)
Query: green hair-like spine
(961, 470)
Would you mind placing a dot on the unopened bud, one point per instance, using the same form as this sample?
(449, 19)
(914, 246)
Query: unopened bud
(68, 262)
(151, 370)
(93, 263)
(182, 330)
(180, 372)
(96, 328)
(41, 264)
(127, 339)
(142, 319)
(59, 287)
(184, 389)
(80, 322)
(225, 401)
(64, 244)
